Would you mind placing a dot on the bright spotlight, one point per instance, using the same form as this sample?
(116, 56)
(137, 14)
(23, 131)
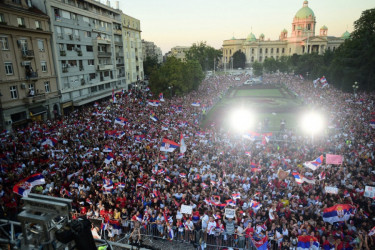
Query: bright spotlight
(241, 119)
(312, 123)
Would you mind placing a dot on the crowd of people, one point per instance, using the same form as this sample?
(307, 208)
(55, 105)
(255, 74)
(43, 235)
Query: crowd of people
(116, 172)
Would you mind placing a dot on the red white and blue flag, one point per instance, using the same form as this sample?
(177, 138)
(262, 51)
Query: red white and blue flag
(168, 145)
(153, 103)
(236, 196)
(307, 242)
(261, 244)
(107, 149)
(297, 177)
(153, 117)
(109, 158)
(161, 97)
(314, 165)
(139, 138)
(121, 121)
(201, 134)
(183, 145)
(339, 212)
(196, 104)
(323, 81)
(255, 205)
(24, 187)
(49, 141)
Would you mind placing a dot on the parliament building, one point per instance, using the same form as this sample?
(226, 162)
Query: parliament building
(301, 40)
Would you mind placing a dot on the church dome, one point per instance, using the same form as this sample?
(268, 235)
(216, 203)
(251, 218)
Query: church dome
(346, 35)
(284, 31)
(305, 11)
(251, 38)
(324, 27)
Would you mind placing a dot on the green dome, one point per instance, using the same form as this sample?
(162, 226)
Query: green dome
(233, 38)
(346, 35)
(251, 38)
(324, 27)
(305, 11)
(284, 31)
(261, 35)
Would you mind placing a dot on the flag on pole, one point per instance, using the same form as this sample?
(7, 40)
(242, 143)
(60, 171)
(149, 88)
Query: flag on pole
(161, 97)
(168, 145)
(182, 144)
(24, 187)
(314, 164)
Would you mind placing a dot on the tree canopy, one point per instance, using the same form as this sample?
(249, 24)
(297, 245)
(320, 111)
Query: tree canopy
(150, 64)
(175, 77)
(207, 56)
(239, 59)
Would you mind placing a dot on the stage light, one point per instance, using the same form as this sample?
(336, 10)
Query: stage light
(312, 123)
(241, 119)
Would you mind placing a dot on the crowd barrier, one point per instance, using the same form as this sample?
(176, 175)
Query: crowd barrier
(131, 233)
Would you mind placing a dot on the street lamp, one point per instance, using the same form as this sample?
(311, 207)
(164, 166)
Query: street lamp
(170, 90)
(355, 88)
(307, 74)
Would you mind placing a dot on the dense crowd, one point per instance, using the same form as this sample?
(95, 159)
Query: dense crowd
(117, 172)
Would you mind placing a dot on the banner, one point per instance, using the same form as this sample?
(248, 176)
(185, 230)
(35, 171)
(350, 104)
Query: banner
(331, 190)
(229, 213)
(369, 192)
(334, 159)
(186, 209)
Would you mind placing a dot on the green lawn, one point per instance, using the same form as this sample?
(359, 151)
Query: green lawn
(258, 93)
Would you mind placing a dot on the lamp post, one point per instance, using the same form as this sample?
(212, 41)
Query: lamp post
(307, 75)
(170, 90)
(355, 88)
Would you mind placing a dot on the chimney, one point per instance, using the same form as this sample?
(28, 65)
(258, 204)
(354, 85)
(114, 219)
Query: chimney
(108, 3)
(117, 5)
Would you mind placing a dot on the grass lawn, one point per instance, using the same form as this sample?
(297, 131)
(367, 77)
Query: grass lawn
(258, 93)
(267, 103)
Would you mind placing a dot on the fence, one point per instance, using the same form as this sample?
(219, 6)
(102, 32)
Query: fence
(133, 232)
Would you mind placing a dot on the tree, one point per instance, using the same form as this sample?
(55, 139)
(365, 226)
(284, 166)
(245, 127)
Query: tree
(257, 68)
(207, 56)
(355, 59)
(270, 65)
(176, 77)
(239, 59)
(149, 64)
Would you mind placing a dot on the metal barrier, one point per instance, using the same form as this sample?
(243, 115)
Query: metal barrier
(133, 232)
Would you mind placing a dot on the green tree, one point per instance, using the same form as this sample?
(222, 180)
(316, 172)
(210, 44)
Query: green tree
(257, 68)
(207, 56)
(175, 77)
(355, 59)
(270, 65)
(149, 64)
(239, 59)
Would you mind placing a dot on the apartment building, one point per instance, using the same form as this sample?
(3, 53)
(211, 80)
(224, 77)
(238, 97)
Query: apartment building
(131, 28)
(28, 88)
(179, 52)
(151, 50)
(88, 49)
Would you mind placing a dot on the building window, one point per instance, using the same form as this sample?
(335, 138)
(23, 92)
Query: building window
(38, 25)
(2, 19)
(87, 34)
(65, 14)
(72, 63)
(294, 27)
(21, 22)
(277, 50)
(90, 62)
(31, 88)
(44, 66)
(8, 68)
(266, 50)
(252, 51)
(92, 76)
(41, 45)
(13, 92)
(46, 87)
(260, 51)
(86, 19)
(283, 50)
(4, 43)
(252, 59)
(89, 48)
(70, 47)
(309, 26)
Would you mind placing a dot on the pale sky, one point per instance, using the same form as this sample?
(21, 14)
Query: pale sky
(170, 23)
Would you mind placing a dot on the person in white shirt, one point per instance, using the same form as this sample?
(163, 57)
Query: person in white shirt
(211, 226)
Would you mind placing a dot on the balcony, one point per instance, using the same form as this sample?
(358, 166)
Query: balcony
(104, 54)
(118, 32)
(119, 54)
(105, 67)
(118, 43)
(28, 53)
(103, 40)
(120, 64)
(31, 75)
(62, 53)
(35, 99)
(65, 70)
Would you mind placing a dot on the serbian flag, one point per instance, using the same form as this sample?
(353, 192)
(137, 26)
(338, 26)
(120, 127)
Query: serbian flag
(231, 202)
(251, 136)
(262, 244)
(301, 77)
(121, 121)
(168, 145)
(307, 242)
(372, 232)
(196, 104)
(200, 134)
(164, 158)
(180, 156)
(182, 175)
(109, 158)
(161, 97)
(248, 153)
(49, 141)
(372, 123)
(339, 212)
(314, 164)
(255, 205)
(323, 81)
(204, 185)
(153, 117)
(107, 149)
(139, 138)
(167, 179)
(153, 103)
(297, 177)
(236, 196)
(322, 175)
(334, 159)
(24, 187)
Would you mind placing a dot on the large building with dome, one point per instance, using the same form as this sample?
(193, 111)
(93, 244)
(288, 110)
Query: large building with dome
(301, 40)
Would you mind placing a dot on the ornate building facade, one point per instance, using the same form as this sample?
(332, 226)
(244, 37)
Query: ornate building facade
(301, 40)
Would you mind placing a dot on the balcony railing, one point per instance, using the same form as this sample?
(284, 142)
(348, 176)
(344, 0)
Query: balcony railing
(35, 99)
(31, 75)
(62, 53)
(28, 53)
(105, 67)
(119, 64)
(65, 70)
(104, 54)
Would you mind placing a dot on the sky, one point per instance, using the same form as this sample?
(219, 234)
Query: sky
(170, 23)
